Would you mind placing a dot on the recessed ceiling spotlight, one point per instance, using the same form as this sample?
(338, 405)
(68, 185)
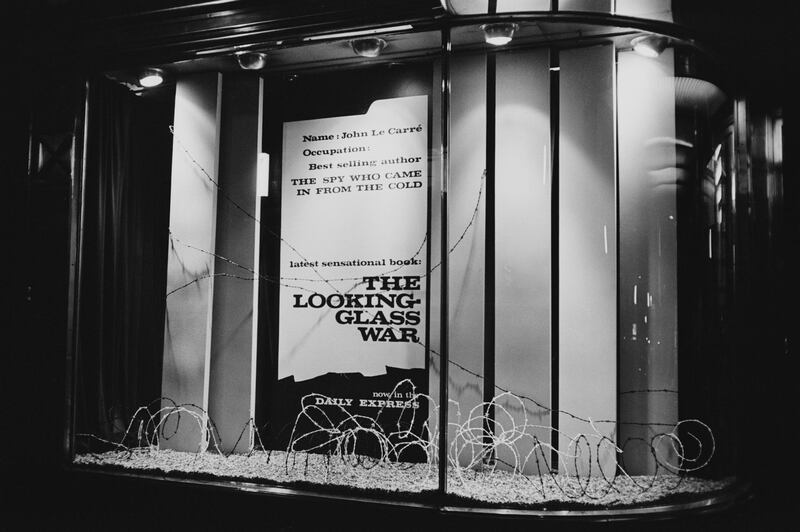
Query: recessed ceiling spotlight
(368, 46)
(151, 77)
(500, 33)
(649, 45)
(251, 60)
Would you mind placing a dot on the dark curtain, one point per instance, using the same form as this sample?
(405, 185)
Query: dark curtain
(124, 259)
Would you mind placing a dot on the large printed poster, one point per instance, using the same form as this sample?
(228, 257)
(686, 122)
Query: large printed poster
(352, 301)
(353, 209)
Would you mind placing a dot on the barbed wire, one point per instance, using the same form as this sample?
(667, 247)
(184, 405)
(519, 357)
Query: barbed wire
(589, 467)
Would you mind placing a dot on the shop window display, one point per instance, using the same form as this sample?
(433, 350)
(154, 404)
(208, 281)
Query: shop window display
(432, 267)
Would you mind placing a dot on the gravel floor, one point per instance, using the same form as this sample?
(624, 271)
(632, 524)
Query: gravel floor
(492, 488)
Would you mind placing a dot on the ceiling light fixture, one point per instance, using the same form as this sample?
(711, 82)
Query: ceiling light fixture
(649, 45)
(500, 33)
(151, 77)
(368, 46)
(251, 60)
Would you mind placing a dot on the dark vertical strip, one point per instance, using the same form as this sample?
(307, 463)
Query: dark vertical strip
(553, 5)
(268, 391)
(782, 392)
(76, 254)
(489, 271)
(618, 305)
(554, 280)
(444, 359)
(492, 7)
(428, 241)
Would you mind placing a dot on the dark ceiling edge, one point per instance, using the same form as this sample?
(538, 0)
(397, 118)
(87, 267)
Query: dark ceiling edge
(84, 41)
(91, 43)
(176, 47)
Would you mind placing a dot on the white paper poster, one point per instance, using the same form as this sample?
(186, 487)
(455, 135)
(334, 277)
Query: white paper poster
(353, 223)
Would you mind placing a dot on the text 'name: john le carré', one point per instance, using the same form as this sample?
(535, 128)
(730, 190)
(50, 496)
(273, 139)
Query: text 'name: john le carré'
(364, 133)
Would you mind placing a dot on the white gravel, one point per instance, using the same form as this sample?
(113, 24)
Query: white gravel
(495, 488)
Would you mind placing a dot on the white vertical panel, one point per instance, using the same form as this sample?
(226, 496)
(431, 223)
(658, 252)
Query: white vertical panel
(509, 6)
(469, 7)
(522, 240)
(192, 222)
(467, 261)
(649, 9)
(587, 253)
(648, 183)
(232, 370)
(262, 190)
